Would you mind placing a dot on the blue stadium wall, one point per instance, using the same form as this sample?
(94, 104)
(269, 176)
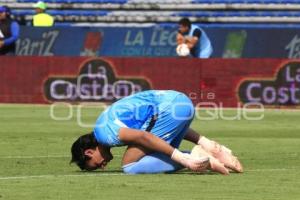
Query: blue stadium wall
(156, 42)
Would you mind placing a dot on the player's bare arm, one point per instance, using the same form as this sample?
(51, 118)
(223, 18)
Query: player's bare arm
(180, 39)
(134, 153)
(192, 136)
(145, 139)
(191, 41)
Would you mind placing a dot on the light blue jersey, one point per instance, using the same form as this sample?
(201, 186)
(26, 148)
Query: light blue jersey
(136, 112)
(203, 48)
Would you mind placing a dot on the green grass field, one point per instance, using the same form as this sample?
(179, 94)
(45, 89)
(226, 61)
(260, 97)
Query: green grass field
(34, 160)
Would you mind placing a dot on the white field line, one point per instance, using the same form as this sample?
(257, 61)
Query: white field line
(110, 174)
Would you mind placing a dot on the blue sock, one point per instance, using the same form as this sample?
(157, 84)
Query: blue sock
(151, 164)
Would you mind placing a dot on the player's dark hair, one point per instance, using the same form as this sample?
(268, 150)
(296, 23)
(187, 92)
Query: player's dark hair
(185, 22)
(84, 142)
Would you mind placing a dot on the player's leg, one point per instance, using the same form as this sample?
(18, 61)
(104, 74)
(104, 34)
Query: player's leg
(181, 135)
(138, 160)
(152, 163)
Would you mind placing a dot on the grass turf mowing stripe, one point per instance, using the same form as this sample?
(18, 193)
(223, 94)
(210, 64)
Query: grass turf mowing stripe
(122, 174)
(58, 176)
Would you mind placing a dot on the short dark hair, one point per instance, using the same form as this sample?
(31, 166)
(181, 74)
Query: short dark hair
(185, 22)
(84, 142)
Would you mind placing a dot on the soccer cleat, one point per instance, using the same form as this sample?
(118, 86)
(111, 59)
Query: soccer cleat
(214, 164)
(222, 153)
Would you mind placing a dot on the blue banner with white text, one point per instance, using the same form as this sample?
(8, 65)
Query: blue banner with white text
(156, 42)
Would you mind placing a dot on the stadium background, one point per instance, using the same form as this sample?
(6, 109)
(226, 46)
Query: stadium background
(129, 45)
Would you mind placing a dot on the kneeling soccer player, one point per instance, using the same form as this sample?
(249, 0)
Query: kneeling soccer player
(152, 124)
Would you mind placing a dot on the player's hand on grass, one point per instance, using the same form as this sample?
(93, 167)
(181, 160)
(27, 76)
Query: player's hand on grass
(222, 153)
(214, 164)
(194, 164)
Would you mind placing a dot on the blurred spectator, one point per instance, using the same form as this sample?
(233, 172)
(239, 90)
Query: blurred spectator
(20, 19)
(195, 38)
(42, 19)
(9, 32)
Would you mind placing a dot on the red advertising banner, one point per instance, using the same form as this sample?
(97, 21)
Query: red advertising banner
(225, 82)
